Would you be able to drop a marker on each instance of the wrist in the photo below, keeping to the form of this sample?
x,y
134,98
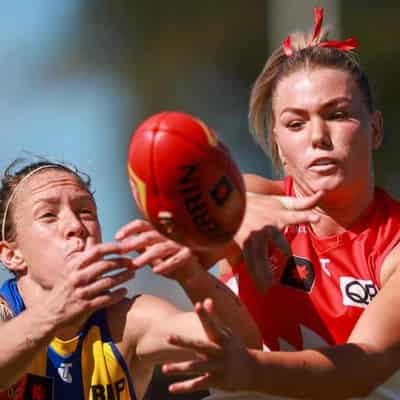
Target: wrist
x,y
44,324
189,275
254,369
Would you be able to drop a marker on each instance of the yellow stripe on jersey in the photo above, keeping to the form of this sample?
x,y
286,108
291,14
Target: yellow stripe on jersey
x,y
39,364
64,347
102,375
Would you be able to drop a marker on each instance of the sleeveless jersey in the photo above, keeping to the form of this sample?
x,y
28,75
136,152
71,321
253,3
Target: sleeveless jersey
x,y
327,283
87,367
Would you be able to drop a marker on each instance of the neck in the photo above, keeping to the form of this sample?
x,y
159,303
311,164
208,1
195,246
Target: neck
x,y
68,332
34,295
339,211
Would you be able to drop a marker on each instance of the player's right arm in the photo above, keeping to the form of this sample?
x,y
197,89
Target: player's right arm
x,y
22,338
352,369
268,212
67,304
179,263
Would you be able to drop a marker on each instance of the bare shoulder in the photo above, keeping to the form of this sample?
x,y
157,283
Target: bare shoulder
x,y
131,318
147,308
259,184
385,335
390,265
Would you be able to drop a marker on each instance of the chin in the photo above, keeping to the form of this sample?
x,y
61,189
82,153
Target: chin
x,y
327,184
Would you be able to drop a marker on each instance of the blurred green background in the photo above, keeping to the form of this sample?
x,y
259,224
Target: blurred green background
x,y
77,77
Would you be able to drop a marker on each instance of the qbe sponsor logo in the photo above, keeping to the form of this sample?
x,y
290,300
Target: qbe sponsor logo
x,y
357,292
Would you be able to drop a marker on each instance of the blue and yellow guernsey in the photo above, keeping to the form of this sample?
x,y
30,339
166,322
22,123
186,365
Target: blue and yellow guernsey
x,y
87,367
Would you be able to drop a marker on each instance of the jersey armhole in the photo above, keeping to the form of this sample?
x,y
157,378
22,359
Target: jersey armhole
x,y
382,258
6,312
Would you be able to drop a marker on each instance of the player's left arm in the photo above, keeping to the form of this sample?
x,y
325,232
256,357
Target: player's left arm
x,y
151,321
353,369
371,354
378,329
180,264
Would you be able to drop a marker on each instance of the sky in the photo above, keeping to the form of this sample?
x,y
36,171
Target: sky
x,y
73,116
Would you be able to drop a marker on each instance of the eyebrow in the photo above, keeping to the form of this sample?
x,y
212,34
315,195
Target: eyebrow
x,y
329,103
55,200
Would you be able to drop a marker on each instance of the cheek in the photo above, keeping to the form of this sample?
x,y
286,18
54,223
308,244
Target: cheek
x,y
94,229
357,144
291,151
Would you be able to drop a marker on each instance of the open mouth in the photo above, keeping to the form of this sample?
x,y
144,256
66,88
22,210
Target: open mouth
x,y
323,164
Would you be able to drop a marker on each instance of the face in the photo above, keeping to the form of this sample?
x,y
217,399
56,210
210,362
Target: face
x,y
55,218
324,131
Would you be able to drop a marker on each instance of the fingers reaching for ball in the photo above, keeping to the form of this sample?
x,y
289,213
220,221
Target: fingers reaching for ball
x,y
165,256
222,361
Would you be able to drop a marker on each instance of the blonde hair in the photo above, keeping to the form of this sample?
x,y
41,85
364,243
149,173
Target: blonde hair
x,y
279,65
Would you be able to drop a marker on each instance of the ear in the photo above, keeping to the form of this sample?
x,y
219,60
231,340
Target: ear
x,y
278,149
11,257
377,126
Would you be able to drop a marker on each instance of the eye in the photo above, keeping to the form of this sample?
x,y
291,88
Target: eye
x,y
47,215
295,124
88,213
338,115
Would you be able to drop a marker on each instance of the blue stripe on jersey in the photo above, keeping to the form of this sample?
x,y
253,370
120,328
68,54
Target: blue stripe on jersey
x,y
67,373
125,368
101,321
67,369
9,291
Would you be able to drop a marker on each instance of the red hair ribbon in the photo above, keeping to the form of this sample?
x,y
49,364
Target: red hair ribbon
x,y
342,45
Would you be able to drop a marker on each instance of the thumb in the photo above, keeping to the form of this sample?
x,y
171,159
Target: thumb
x,y
301,203
90,242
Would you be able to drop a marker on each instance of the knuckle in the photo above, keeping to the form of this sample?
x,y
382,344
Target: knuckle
x,y
81,294
85,305
108,282
149,237
157,247
96,251
187,253
75,279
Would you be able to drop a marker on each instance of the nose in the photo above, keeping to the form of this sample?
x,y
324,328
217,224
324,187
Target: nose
x,y
320,134
73,226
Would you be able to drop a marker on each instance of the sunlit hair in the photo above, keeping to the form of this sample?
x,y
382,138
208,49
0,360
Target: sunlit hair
x,y
279,66
14,174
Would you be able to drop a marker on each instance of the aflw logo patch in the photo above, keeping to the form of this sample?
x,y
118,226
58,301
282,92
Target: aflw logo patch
x,y
357,292
64,371
299,274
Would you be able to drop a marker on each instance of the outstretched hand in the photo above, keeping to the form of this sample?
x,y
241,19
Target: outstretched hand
x,y
90,282
223,361
166,257
261,231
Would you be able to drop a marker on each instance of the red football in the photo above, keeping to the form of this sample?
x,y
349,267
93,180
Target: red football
x,y
184,180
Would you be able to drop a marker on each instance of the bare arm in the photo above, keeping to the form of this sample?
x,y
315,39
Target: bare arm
x,y
265,219
83,291
22,337
179,263
353,369
201,284
369,358
151,320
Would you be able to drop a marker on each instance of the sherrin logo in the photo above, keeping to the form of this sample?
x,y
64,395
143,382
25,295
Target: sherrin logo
x,y
357,292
